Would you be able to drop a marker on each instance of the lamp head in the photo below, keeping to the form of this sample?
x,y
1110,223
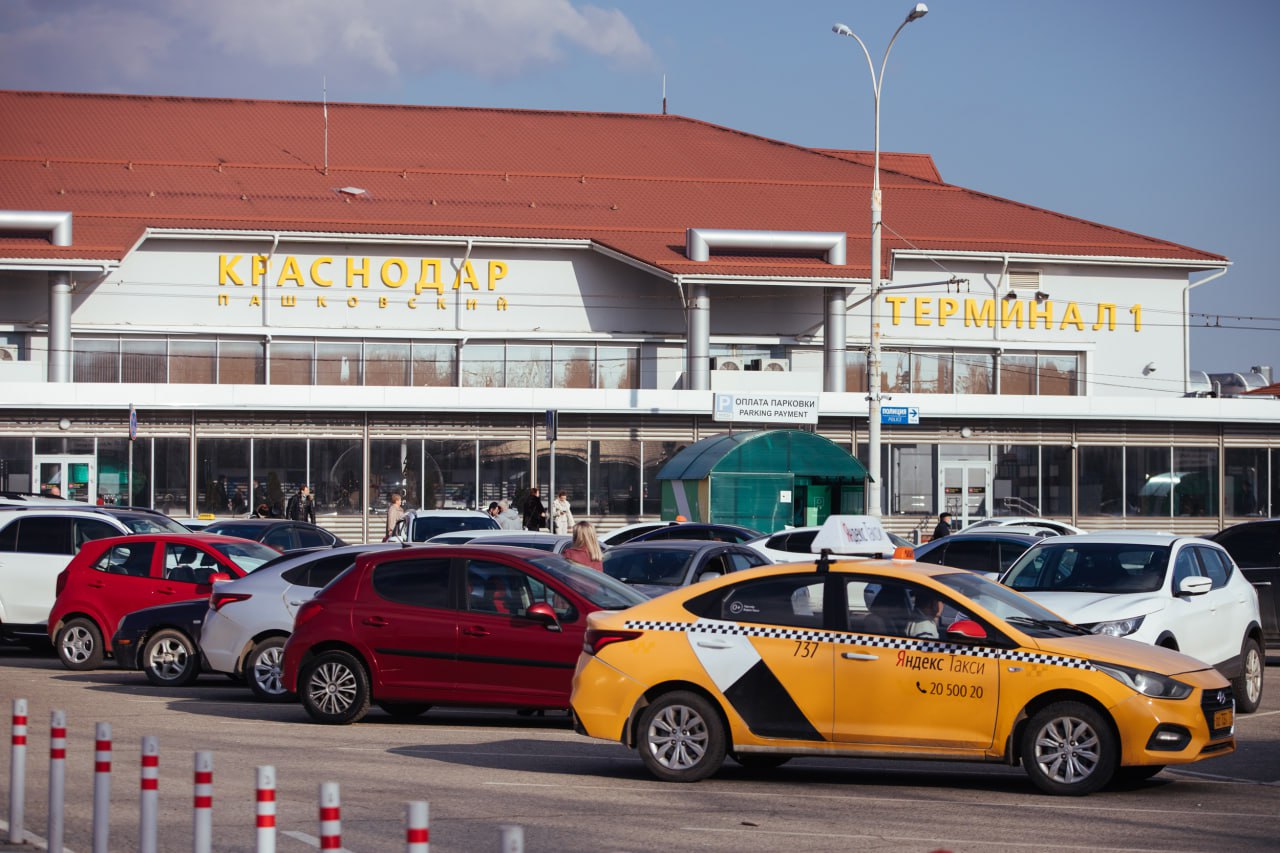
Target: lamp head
x,y
918,12
842,30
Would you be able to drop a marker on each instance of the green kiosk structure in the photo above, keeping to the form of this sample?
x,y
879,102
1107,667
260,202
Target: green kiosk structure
x,y
765,479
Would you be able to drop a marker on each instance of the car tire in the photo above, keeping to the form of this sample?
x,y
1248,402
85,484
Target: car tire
x,y
405,710
264,670
334,688
759,762
170,659
1069,749
681,737
1248,686
79,645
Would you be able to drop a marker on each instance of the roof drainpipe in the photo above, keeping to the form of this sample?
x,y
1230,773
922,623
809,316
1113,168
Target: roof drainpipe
x,y
57,223
1186,327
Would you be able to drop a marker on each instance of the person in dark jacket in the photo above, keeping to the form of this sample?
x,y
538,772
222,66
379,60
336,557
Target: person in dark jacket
x,y
535,514
301,507
944,526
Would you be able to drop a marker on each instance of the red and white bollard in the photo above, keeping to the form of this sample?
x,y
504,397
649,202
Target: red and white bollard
x,y
101,787
18,772
330,817
57,776
149,794
266,810
203,840
416,835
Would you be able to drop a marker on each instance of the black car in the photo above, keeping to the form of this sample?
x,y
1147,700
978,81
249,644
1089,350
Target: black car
x,y
703,532
162,641
279,533
657,567
1255,546
989,553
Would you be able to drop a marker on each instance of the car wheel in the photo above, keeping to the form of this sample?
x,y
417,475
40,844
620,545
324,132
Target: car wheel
x,y
759,762
170,659
334,688
1068,748
405,710
79,644
682,738
1248,687
264,670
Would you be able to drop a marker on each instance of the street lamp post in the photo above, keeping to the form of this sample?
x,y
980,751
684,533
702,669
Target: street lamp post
x,y
873,350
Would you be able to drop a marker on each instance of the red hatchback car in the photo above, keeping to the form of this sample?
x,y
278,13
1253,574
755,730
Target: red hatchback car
x,y
439,625
112,577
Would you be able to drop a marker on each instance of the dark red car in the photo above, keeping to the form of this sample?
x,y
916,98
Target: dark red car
x,y
112,577
439,625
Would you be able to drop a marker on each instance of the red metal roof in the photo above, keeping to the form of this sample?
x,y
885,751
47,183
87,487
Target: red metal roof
x,y
633,183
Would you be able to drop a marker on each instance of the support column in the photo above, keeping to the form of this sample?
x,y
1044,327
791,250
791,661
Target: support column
x,y
698,342
834,351
59,327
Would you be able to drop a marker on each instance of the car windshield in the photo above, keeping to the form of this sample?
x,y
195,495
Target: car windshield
x,y
1018,610
153,524
648,565
598,588
424,527
1110,567
230,528
246,555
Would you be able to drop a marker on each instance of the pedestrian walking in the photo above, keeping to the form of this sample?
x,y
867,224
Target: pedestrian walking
x,y
508,518
535,514
395,512
301,507
561,514
944,526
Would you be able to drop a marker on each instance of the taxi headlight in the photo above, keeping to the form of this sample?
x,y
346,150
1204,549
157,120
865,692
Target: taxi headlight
x,y
1146,683
1118,628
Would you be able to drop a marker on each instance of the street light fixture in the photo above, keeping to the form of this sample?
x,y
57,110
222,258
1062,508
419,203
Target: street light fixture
x,y
873,350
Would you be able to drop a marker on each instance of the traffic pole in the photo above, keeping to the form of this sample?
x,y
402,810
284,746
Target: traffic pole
x,y
18,772
415,827
101,787
149,794
266,809
57,777
203,837
330,817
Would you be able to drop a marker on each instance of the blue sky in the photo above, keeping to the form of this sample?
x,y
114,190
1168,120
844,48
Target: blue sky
x,y
1155,117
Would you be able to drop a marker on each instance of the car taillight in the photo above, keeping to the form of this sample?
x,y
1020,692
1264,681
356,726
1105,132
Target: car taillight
x,y
596,639
218,599
306,612
61,583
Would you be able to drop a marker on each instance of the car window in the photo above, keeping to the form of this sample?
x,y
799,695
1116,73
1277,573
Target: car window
x,y
794,600
596,587
279,537
44,535
1215,568
974,555
1009,554
152,524
87,529
933,555
1253,546
506,591
1185,566
9,536
418,582
426,526
739,560
647,565
318,573
1090,567
188,564
899,609
247,556
127,558
310,537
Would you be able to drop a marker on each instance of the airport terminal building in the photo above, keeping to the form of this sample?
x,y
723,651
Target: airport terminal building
x,y
208,302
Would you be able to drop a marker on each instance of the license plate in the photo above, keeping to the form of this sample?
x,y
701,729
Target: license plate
x,y
1222,719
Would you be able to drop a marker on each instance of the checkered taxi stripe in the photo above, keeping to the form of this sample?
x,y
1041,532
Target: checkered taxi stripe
x,y
871,640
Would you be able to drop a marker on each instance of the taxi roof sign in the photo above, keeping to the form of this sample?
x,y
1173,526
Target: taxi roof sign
x,y
855,535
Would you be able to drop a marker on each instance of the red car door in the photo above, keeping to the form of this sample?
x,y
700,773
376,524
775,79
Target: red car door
x,y
116,583
185,570
505,657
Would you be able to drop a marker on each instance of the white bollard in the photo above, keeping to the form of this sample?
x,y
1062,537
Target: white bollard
x,y
512,838
101,787
57,776
330,817
266,810
18,772
149,794
203,836
416,833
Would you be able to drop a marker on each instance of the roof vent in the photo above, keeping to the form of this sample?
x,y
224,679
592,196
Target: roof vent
x,y
352,191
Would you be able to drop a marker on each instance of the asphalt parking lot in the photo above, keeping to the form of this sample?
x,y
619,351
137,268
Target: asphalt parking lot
x,y
480,770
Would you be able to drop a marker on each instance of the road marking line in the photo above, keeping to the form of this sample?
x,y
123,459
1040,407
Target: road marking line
x,y
29,837
934,841
1217,778
308,839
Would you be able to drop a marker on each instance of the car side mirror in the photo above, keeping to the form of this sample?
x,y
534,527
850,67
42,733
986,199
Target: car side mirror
x,y
966,629
709,575
541,612
1196,585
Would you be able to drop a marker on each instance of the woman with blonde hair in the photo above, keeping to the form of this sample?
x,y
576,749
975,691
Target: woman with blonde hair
x,y
585,547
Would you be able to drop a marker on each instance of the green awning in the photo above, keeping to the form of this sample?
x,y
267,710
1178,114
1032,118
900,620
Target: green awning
x,y
793,451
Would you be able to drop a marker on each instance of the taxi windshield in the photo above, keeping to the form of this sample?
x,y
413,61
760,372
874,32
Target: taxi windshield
x,y
1018,610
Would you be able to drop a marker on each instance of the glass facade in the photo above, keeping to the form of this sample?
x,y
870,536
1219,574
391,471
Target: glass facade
x,y
1246,482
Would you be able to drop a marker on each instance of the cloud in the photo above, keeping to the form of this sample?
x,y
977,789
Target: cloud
x,y
128,44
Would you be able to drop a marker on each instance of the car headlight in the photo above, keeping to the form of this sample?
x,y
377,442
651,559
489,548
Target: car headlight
x,y
1147,683
1118,628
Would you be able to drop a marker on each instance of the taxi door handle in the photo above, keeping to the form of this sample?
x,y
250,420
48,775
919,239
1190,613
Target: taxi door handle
x,y
713,644
858,656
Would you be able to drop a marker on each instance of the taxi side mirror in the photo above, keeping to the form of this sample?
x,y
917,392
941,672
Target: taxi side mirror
x,y
541,612
966,629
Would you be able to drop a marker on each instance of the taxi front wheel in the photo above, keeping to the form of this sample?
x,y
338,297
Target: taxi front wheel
x,y
682,738
1068,748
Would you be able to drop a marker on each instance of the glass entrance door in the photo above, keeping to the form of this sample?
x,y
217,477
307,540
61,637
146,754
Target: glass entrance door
x,y
72,477
965,492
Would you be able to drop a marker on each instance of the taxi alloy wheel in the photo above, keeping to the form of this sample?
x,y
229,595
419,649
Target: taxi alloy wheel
x,y
79,645
1068,748
264,670
1248,687
170,659
682,738
334,688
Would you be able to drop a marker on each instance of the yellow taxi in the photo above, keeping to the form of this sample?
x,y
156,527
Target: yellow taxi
x,y
888,658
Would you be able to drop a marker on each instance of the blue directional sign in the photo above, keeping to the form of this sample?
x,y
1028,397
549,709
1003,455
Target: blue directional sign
x,y
900,415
